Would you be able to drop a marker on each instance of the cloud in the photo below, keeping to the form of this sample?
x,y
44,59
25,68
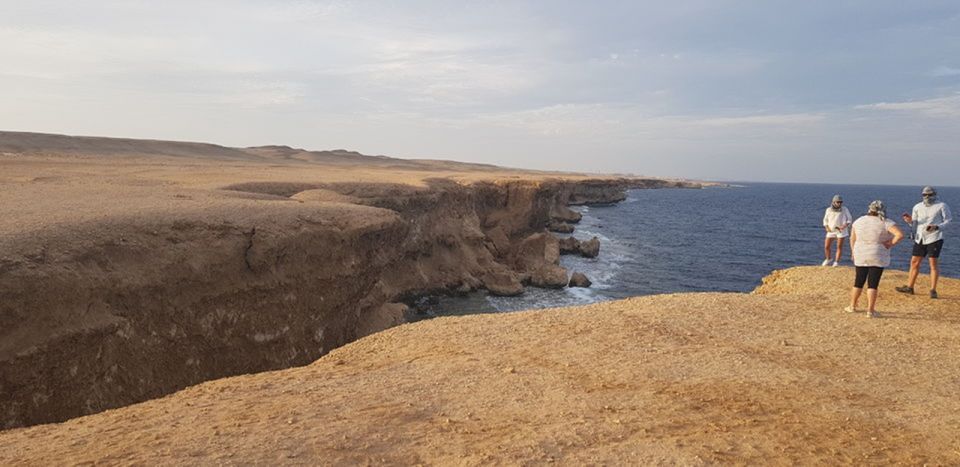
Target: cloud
x,y
948,106
762,120
472,80
256,94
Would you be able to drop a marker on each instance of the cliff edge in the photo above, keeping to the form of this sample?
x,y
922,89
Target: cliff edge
x,y
779,376
130,269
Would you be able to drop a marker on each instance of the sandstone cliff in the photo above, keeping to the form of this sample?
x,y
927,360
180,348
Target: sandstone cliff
x,y
126,277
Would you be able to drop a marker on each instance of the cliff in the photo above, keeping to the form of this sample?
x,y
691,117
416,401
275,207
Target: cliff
x,y
130,275
781,376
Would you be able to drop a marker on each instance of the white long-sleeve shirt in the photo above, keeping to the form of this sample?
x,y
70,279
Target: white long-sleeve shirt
x,y
833,220
937,214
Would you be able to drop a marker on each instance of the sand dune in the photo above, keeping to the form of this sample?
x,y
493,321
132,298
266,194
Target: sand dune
x,y
780,376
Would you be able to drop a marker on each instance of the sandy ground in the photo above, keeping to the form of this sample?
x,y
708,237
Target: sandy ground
x,y
54,180
53,191
780,376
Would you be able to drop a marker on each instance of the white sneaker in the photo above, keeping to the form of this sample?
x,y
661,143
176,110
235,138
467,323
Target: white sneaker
x,y
825,262
835,264
850,309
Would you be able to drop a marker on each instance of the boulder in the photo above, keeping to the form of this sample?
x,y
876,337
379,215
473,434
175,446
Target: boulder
x,y
590,248
578,279
535,251
560,227
565,214
503,283
549,276
569,245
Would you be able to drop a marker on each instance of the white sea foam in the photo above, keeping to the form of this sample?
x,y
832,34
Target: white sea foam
x,y
587,234
583,295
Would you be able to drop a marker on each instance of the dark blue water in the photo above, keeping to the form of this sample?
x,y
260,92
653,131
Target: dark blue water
x,y
715,239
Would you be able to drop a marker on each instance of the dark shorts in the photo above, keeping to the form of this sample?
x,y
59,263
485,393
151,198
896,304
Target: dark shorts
x,y
869,275
932,250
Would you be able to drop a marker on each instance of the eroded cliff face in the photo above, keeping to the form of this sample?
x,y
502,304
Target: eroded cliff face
x,y
125,310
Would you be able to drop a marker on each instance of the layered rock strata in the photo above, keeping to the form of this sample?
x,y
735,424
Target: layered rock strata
x,y
128,308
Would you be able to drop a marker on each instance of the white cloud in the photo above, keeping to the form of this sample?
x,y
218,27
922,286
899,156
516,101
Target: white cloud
x,y
631,122
255,94
762,120
948,106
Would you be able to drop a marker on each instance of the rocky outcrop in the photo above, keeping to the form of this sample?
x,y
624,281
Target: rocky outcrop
x,y
126,309
538,257
579,279
572,246
569,245
503,283
560,227
562,213
590,248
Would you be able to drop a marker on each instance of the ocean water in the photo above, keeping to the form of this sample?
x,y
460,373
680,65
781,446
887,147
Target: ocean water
x,y
714,239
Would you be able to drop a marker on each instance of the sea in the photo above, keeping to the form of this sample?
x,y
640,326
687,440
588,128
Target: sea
x,y
723,239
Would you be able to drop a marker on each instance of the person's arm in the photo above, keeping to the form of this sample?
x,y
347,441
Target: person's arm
x,y
826,219
853,241
908,218
847,218
945,212
897,236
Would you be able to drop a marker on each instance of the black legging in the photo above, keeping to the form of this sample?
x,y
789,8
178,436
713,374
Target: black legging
x,y
870,275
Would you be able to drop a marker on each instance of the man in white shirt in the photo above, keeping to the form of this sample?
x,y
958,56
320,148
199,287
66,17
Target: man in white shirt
x,y
928,219
836,221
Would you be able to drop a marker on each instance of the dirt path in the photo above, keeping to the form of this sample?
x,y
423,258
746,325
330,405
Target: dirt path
x,y
780,376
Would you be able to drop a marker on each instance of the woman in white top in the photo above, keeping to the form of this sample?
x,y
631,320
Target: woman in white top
x,y
873,237
836,221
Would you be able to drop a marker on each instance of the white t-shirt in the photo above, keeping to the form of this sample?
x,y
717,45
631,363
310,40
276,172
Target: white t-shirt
x,y
871,232
937,214
834,219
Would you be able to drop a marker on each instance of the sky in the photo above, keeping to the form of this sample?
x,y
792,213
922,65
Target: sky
x,y
806,91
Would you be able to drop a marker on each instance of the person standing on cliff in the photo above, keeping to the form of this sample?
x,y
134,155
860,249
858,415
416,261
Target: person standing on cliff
x,y
928,219
873,237
836,221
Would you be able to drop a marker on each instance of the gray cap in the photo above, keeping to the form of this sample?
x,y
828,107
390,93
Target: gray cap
x,y
928,190
878,207
837,198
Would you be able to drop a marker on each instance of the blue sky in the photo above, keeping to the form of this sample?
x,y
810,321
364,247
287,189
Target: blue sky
x,y
816,91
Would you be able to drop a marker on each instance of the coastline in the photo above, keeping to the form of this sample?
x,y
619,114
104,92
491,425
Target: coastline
x,y
126,278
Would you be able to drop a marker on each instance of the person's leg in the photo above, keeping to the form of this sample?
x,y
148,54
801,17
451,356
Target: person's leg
x,y
873,283
871,301
858,282
919,251
934,272
854,298
839,249
914,270
827,241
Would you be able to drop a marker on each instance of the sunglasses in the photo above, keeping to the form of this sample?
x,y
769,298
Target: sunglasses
x,y
928,195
